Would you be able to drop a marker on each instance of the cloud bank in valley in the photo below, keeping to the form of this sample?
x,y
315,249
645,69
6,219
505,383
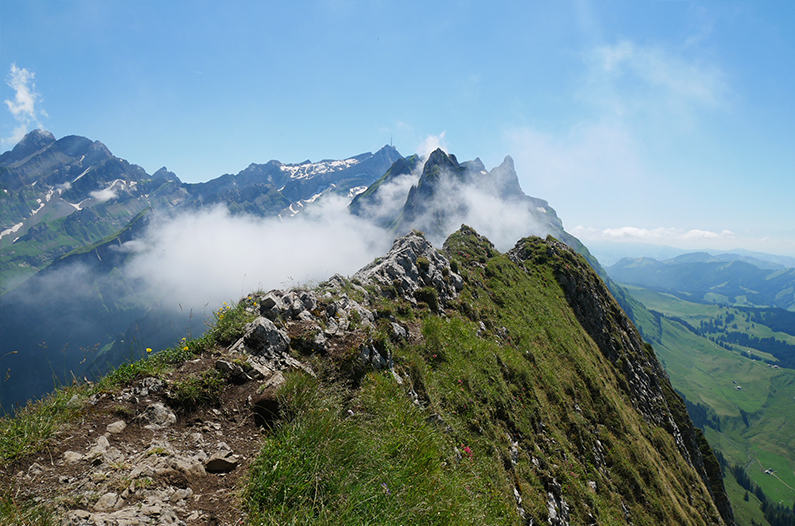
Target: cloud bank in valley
x,y
207,257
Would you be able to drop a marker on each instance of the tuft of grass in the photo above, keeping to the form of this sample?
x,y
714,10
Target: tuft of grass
x,y
423,263
26,432
228,323
428,296
198,391
16,513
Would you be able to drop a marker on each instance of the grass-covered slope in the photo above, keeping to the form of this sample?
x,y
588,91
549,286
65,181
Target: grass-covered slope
x,y
518,417
470,387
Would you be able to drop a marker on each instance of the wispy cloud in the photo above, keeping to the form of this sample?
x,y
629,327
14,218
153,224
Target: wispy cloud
x,y
213,256
651,234
635,101
586,152
23,105
431,143
104,195
642,78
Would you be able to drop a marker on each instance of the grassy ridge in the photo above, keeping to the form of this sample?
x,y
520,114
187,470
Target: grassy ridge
x,y
501,411
515,399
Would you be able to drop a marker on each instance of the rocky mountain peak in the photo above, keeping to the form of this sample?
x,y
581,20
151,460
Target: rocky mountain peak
x,y
165,173
474,167
438,164
503,181
31,143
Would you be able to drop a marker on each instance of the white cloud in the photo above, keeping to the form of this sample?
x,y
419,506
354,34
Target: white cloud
x,y
665,75
431,143
502,222
652,234
211,256
586,152
640,233
686,239
104,195
23,106
390,197
660,92
706,234
631,105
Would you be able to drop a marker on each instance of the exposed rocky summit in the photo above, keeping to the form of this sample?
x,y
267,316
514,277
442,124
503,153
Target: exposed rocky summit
x,y
414,270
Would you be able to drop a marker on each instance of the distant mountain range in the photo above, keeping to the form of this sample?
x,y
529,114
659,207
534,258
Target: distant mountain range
x,y
59,195
611,252
731,279
67,205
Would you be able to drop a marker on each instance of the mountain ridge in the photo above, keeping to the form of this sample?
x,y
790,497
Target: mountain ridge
x,y
443,386
701,277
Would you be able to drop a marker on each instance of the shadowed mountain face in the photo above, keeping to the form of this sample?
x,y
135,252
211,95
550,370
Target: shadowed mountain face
x,y
437,196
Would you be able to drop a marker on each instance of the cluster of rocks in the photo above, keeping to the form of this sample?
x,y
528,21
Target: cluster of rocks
x,y
410,266
310,320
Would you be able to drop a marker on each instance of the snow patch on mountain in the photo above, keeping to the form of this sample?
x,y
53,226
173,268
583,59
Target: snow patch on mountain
x,y
81,175
11,230
307,169
356,190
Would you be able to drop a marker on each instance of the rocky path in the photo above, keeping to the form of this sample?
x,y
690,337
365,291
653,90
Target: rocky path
x,y
135,460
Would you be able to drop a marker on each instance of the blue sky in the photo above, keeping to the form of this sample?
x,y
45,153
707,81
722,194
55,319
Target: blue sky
x,y
663,122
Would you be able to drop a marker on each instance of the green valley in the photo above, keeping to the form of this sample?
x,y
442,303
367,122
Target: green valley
x,y
746,396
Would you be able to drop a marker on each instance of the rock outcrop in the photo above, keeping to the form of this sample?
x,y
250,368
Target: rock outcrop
x,y
412,266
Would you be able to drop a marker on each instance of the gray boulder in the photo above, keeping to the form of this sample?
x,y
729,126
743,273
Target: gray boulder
x,y
262,337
